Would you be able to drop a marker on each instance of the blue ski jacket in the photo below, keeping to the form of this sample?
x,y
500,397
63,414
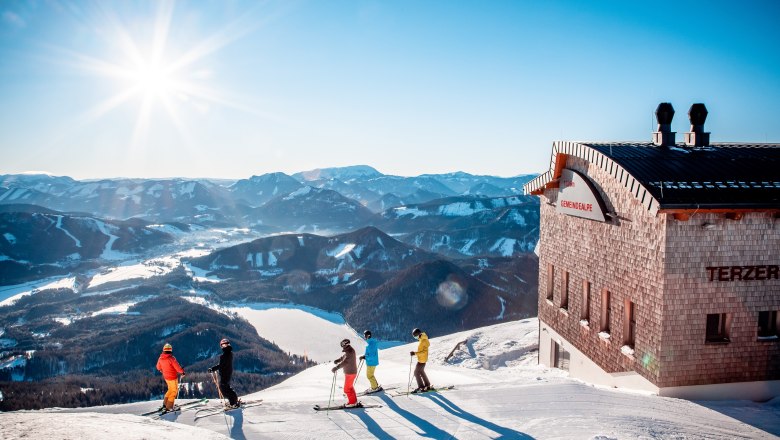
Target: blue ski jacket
x,y
372,353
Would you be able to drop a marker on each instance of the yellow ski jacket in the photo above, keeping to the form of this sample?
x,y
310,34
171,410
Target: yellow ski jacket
x,y
422,348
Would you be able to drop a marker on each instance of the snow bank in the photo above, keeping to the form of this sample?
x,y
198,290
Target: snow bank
x,y
93,426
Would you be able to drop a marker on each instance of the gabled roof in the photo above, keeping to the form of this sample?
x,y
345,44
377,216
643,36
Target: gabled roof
x,y
679,177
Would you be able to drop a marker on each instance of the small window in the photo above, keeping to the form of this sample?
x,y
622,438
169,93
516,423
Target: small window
x,y
629,326
565,295
585,316
606,310
717,327
767,325
550,281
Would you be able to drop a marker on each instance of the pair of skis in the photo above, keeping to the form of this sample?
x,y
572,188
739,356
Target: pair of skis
x,y
380,390
360,405
432,390
394,392
185,406
205,412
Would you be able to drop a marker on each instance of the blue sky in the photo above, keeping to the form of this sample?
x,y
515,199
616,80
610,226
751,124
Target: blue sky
x,y
233,88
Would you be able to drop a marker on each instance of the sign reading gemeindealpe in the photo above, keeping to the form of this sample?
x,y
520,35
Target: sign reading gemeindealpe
x,y
578,197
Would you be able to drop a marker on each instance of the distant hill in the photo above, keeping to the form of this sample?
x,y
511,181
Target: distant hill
x,y
313,209
257,190
467,226
36,241
340,173
367,248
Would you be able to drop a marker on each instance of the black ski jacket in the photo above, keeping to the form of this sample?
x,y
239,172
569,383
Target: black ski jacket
x,y
225,365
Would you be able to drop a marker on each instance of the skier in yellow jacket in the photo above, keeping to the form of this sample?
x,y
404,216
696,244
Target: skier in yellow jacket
x,y
423,384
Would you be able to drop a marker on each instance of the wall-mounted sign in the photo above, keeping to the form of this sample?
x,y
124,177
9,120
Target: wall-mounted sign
x,y
578,197
743,273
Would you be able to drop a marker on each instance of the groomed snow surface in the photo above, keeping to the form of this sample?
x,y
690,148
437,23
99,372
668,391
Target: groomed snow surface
x,y
500,392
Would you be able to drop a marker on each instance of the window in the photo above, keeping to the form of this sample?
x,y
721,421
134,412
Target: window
x,y
585,316
717,327
767,325
550,281
606,310
565,295
629,324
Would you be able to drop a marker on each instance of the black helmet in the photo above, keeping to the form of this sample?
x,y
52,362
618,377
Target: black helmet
x,y
367,334
416,332
344,342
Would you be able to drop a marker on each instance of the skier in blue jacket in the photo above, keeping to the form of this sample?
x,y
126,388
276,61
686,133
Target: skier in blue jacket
x,y
371,357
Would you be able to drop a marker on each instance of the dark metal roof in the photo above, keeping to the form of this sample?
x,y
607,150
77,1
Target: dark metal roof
x,y
728,176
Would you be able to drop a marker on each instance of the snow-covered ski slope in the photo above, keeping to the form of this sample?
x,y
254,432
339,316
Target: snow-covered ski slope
x,y
500,392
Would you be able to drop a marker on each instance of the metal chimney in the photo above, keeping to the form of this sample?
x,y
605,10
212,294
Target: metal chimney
x,y
697,137
664,137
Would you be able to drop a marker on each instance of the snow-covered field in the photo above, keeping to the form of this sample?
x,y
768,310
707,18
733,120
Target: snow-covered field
x,y
11,294
500,392
300,330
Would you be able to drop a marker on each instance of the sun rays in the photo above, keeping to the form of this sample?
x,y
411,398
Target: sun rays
x,y
153,74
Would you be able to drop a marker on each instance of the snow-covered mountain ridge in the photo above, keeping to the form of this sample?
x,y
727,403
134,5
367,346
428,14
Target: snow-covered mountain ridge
x,y
500,392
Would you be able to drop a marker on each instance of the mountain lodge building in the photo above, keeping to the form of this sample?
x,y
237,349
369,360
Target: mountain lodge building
x,y
659,263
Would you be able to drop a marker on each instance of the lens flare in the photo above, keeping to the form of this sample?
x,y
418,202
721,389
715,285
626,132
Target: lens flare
x,y
450,294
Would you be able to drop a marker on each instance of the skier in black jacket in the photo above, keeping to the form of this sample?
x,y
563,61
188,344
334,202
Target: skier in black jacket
x,y
225,368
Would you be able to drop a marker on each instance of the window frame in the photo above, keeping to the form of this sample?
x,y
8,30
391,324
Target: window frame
x,y
585,310
719,334
550,282
606,311
629,324
771,318
565,291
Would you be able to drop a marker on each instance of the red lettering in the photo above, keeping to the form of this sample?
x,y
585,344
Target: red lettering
x,y
577,205
773,272
736,273
749,273
712,270
760,273
723,272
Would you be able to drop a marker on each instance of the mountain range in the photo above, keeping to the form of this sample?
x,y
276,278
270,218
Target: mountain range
x,y
143,261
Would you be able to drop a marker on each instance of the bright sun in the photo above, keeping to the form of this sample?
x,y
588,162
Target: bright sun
x,y
153,79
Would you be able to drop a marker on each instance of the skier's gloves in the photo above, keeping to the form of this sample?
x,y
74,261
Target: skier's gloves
x,y
362,358
210,370
334,369
183,374
411,353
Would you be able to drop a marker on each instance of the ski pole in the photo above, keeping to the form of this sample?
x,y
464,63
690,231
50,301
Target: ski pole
x,y
332,391
219,391
360,366
409,384
178,387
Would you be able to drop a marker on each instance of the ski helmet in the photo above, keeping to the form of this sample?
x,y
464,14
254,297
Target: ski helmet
x,y
344,342
367,334
416,332
225,341
167,347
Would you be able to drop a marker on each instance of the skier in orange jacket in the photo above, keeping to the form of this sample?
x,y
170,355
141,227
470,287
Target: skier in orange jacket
x,y
170,369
